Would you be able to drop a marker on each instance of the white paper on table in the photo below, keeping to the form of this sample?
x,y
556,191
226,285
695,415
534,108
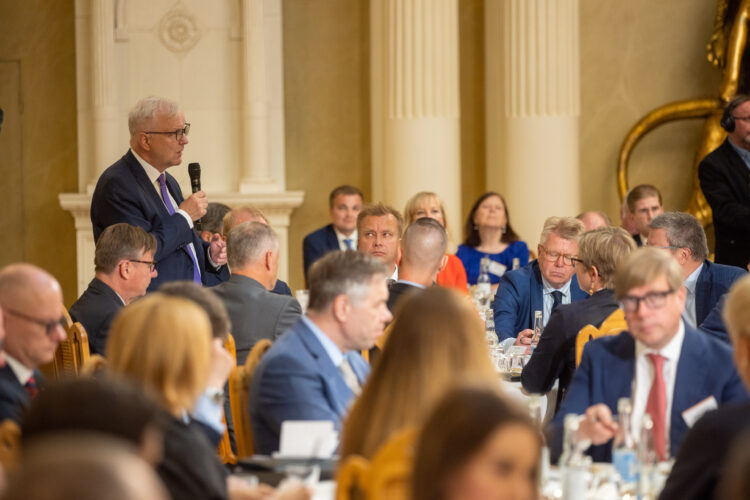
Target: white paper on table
x,y
307,438
517,350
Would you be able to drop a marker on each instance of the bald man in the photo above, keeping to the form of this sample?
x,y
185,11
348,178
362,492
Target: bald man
x,y
423,256
31,301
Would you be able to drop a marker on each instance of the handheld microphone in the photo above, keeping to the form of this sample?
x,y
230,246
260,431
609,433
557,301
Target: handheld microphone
x,y
194,171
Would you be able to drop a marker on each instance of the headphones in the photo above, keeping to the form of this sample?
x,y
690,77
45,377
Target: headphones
x,y
727,119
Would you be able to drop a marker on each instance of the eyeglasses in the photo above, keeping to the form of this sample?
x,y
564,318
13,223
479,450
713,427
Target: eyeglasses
x,y
178,134
150,263
654,300
575,259
553,256
742,118
49,326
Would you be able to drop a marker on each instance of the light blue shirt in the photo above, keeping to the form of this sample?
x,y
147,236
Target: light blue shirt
x,y
689,314
547,290
330,348
407,282
744,153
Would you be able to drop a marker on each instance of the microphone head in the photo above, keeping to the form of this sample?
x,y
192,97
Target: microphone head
x,y
194,170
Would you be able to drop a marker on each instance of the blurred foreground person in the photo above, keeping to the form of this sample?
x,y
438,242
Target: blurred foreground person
x,y
476,446
435,341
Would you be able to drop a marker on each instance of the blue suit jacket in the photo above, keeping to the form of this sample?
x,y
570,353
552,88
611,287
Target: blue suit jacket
x,y
606,374
124,194
13,396
519,294
713,282
296,380
317,244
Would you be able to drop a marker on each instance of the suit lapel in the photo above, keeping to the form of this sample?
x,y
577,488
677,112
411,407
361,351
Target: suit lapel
x,y
703,292
621,371
332,239
147,188
692,372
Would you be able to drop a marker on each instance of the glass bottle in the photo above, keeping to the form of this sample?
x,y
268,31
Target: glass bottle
x,y
535,412
624,453
516,263
483,288
572,462
489,332
538,328
647,458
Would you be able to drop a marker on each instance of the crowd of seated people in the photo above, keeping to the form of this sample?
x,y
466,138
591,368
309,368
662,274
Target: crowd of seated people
x,y
389,345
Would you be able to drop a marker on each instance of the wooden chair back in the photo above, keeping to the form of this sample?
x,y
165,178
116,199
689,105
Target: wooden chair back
x,y
95,364
53,370
73,352
226,455
387,475
239,397
614,324
10,443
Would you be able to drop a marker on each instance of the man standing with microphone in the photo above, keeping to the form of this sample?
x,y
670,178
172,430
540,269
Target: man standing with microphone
x,y
137,189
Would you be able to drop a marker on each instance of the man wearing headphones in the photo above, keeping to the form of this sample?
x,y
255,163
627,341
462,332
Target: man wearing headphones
x,y
724,176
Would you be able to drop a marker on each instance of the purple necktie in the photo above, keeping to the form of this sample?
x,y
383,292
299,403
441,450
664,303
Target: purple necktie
x,y
170,209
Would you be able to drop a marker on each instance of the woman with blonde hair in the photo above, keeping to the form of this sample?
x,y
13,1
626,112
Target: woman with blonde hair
x,y
428,204
435,341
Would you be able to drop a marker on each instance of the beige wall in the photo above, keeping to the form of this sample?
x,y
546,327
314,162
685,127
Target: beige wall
x,y
635,56
38,137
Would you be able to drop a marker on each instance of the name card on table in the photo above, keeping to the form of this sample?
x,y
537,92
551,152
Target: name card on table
x,y
307,438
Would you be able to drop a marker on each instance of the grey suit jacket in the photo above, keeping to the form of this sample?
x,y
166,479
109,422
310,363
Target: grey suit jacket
x,y
255,312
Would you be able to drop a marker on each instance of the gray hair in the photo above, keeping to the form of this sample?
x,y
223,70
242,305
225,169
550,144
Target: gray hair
x,y
568,228
425,242
145,110
342,273
683,231
248,242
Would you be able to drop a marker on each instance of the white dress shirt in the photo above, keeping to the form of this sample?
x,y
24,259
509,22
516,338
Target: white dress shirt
x,y
21,371
689,314
341,237
548,299
644,378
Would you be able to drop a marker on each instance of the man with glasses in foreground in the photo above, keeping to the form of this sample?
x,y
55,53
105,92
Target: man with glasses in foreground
x,y
541,285
667,368
137,189
31,302
124,265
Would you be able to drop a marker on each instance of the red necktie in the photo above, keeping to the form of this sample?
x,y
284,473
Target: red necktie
x,y
656,406
31,388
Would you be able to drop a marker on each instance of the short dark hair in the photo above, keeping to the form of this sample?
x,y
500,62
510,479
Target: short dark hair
x,y
121,241
640,192
341,273
472,233
345,190
380,210
206,300
214,215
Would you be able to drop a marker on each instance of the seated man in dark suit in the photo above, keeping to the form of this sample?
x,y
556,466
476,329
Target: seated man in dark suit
x,y
124,265
138,190
313,371
644,203
542,284
249,213
344,204
31,301
663,365
422,258
683,236
714,322
701,460
255,312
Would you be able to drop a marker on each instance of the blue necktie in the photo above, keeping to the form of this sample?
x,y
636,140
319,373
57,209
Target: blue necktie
x,y
349,243
170,209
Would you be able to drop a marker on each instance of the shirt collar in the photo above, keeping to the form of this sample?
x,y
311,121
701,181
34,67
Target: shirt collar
x,y
407,282
394,276
341,237
671,351
21,371
548,289
330,348
152,173
744,153
692,280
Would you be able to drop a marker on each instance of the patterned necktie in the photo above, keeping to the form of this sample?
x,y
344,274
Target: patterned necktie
x,y
557,297
170,209
656,406
31,388
350,378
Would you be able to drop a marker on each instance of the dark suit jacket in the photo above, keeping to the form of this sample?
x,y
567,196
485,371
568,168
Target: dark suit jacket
x,y
555,355
396,291
281,288
317,244
713,282
296,380
725,181
124,194
13,396
190,468
705,368
519,294
714,322
703,453
95,309
638,240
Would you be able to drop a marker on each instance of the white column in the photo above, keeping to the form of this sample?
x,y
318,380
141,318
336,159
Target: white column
x,y
415,102
533,105
105,140
255,173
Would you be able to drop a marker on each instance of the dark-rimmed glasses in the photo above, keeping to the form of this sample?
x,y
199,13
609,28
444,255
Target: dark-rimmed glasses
x,y
150,263
553,256
178,134
654,300
49,326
